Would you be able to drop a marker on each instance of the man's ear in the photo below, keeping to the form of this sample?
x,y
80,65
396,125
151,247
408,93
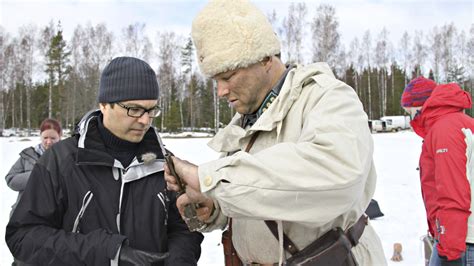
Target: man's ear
x,y
102,107
267,62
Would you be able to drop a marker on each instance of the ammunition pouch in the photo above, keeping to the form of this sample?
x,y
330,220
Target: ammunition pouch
x,y
331,249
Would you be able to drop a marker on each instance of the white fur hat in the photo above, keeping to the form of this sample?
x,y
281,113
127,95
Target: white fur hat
x,y
231,34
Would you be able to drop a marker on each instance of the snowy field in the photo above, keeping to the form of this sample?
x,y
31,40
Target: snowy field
x,y
398,193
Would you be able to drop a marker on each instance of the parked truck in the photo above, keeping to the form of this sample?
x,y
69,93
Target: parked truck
x,y
396,123
377,126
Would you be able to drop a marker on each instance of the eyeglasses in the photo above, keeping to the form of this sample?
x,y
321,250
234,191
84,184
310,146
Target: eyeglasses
x,y
137,112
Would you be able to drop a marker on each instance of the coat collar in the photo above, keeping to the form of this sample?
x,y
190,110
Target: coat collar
x,y
232,136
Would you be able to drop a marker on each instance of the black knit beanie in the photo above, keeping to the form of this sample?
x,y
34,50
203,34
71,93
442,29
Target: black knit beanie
x,y
127,78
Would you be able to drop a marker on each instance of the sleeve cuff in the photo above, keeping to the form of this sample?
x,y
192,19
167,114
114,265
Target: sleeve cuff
x,y
113,250
115,261
214,214
209,174
216,221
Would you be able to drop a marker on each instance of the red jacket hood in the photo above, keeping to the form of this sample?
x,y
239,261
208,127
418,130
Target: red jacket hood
x,y
445,99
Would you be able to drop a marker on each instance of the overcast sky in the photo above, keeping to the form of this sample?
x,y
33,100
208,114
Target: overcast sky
x,y
354,16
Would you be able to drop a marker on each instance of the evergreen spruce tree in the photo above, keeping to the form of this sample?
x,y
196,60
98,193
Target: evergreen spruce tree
x,y
206,104
226,112
364,91
398,76
39,108
457,74
350,76
173,122
376,94
57,68
189,83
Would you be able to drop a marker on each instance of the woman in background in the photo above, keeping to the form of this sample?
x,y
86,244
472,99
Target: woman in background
x,y
17,177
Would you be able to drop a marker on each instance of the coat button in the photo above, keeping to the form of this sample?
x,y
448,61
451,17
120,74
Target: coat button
x,y
208,181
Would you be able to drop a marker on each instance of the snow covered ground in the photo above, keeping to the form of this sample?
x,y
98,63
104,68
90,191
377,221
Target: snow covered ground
x,y
398,193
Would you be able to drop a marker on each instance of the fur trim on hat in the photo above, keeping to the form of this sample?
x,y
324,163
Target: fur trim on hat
x,y
231,34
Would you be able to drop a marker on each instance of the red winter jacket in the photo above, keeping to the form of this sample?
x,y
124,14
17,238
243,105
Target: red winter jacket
x,y
445,187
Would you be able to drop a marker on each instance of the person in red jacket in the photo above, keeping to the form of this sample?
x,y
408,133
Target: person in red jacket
x,y
438,117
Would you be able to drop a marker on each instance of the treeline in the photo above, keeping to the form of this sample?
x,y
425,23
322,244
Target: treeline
x,y
45,75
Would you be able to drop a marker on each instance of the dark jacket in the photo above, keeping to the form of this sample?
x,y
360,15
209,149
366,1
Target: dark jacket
x,y
80,205
19,174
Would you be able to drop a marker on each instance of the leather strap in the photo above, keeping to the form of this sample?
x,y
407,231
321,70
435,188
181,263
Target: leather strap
x,y
229,228
252,141
287,243
355,232
230,254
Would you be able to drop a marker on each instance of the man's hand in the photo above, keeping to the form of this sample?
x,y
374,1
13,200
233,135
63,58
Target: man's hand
x,y
188,173
140,257
203,212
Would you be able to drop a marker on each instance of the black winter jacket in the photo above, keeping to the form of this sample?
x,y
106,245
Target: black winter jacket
x,y
80,205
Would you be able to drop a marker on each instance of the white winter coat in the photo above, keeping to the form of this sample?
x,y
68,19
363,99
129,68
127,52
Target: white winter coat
x,y
310,169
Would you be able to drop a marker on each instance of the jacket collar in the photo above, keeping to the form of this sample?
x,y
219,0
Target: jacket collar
x,y
30,154
229,138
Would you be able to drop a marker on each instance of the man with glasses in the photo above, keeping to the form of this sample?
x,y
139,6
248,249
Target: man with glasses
x,y
99,197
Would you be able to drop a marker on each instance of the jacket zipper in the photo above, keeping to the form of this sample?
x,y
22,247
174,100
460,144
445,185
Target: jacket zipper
x,y
85,202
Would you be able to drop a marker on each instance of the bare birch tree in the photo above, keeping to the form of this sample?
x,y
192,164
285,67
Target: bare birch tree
x,y
470,52
136,43
28,63
382,61
273,19
21,46
75,75
293,32
470,59
367,48
97,50
419,52
3,77
405,53
325,35
461,55
167,73
47,35
356,58
436,52
448,36
10,64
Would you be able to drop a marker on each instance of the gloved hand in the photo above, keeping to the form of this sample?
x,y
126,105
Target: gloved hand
x,y
446,262
140,257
